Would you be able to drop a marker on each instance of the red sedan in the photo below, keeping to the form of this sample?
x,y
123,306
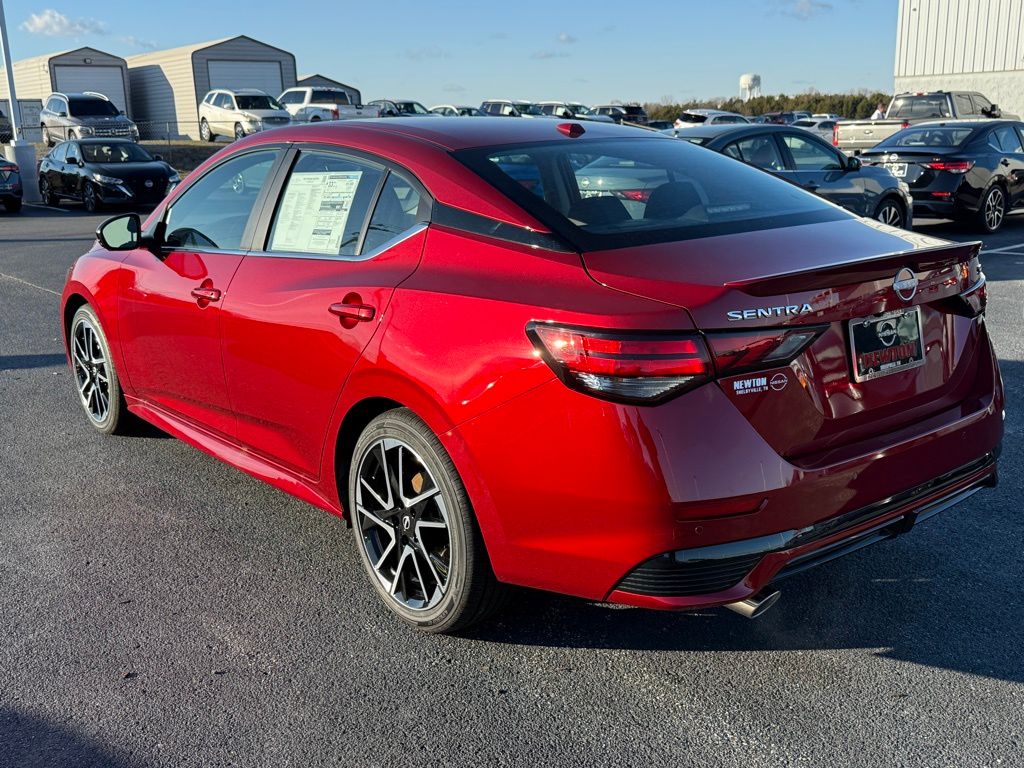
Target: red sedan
x,y
580,358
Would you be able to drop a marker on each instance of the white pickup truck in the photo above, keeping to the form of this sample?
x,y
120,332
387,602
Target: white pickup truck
x,y
312,105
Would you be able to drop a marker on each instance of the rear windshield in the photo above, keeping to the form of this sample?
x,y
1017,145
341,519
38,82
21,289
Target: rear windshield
x,y
919,106
91,108
256,101
805,123
634,110
690,117
928,137
614,193
328,97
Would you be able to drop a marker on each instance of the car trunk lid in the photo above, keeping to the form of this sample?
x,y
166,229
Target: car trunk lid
x,y
831,277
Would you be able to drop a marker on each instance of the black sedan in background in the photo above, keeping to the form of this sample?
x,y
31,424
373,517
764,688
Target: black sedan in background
x,y
10,186
104,172
812,163
967,170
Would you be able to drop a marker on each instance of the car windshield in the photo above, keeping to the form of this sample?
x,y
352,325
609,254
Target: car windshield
x,y
528,109
411,108
579,109
614,193
256,101
114,152
928,137
919,106
91,108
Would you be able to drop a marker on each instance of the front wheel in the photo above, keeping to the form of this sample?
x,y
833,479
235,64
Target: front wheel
x,y
99,389
890,212
239,131
415,529
46,192
90,199
993,210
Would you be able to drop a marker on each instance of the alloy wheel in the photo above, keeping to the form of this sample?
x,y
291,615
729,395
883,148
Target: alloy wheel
x,y
890,214
91,372
89,198
239,132
204,131
403,524
995,209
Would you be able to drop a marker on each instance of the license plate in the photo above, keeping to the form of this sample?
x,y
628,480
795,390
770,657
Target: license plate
x,y
897,169
886,344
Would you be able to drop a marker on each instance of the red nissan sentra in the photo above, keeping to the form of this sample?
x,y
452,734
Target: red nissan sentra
x,y
574,357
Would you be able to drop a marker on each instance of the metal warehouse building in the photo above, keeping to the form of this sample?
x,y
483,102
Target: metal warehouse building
x,y
319,81
963,45
167,86
83,69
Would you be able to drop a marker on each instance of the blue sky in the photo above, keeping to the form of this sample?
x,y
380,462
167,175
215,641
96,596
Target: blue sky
x,y
447,52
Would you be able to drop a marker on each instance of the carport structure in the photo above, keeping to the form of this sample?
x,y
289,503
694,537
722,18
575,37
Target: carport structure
x,y
167,86
320,81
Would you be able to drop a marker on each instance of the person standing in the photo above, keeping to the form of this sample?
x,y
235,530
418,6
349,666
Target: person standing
x,y
879,113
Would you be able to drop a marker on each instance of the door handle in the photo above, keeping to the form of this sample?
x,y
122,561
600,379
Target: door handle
x,y
360,313
206,294
812,187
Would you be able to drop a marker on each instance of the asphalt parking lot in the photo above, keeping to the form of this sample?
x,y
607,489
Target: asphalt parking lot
x,y
158,608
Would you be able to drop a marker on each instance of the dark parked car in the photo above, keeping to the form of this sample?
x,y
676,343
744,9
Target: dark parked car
x,y
10,186
81,116
104,172
804,159
781,118
400,108
967,170
623,113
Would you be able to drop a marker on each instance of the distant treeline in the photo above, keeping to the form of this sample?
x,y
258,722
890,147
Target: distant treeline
x,y
851,105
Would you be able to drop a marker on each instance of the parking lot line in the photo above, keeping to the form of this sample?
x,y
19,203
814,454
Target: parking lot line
x,y
1005,248
4,276
48,207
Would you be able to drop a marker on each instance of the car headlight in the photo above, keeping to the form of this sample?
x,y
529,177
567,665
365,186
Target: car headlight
x,y
85,130
106,179
134,130
250,118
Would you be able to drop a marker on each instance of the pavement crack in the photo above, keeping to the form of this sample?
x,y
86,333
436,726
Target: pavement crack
x,y
4,276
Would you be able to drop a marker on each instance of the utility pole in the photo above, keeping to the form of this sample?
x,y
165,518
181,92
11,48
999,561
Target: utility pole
x,y
20,151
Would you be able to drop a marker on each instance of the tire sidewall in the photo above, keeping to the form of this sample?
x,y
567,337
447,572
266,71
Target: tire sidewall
x,y
403,425
983,220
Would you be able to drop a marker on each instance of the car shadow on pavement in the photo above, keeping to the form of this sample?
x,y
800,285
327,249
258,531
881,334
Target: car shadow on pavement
x,y
944,595
16,362
29,742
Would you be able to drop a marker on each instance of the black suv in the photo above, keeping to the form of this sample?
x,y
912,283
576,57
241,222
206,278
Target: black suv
x,y
623,113
83,116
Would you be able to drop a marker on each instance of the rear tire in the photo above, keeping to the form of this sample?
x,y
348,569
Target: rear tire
x,y
99,389
46,192
891,212
47,138
415,529
992,213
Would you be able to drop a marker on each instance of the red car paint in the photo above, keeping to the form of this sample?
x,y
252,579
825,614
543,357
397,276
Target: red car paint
x,y
571,492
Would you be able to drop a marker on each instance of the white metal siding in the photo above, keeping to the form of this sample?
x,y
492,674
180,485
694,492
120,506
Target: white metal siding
x,y
265,75
959,36
106,80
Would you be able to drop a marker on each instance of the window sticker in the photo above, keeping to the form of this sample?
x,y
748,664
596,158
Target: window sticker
x,y
314,212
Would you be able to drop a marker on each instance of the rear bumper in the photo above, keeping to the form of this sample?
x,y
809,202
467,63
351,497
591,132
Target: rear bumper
x,y
737,570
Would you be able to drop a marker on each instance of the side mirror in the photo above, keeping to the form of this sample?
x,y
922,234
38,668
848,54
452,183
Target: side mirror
x,y
853,164
120,233
995,111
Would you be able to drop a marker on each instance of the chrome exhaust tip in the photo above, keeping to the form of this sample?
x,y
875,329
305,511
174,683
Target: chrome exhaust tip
x,y
756,605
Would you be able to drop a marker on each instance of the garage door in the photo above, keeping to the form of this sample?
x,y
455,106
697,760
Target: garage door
x,y
265,75
106,80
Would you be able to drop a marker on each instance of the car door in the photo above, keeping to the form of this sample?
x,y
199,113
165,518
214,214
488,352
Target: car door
x,y
170,301
818,168
71,171
1012,163
53,168
304,306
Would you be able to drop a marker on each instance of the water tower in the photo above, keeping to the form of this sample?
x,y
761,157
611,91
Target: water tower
x,y
750,86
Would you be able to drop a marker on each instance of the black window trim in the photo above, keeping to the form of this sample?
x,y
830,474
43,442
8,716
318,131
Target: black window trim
x,y
275,189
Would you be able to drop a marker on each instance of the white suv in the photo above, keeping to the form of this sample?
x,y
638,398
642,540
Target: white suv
x,y
239,113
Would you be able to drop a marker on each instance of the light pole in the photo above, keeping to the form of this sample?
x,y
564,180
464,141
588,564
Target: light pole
x,y
20,151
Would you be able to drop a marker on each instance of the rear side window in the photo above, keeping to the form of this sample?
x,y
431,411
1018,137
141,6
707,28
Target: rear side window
x,y
964,106
810,156
944,136
759,151
614,193
329,97
397,211
324,204
1008,139
214,211
60,152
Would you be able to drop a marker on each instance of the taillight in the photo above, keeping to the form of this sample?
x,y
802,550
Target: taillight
x,y
953,166
335,114
742,351
623,366
904,125
648,368
835,135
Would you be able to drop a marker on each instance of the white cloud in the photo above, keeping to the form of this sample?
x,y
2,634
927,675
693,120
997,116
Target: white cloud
x,y
136,42
805,9
566,38
51,23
